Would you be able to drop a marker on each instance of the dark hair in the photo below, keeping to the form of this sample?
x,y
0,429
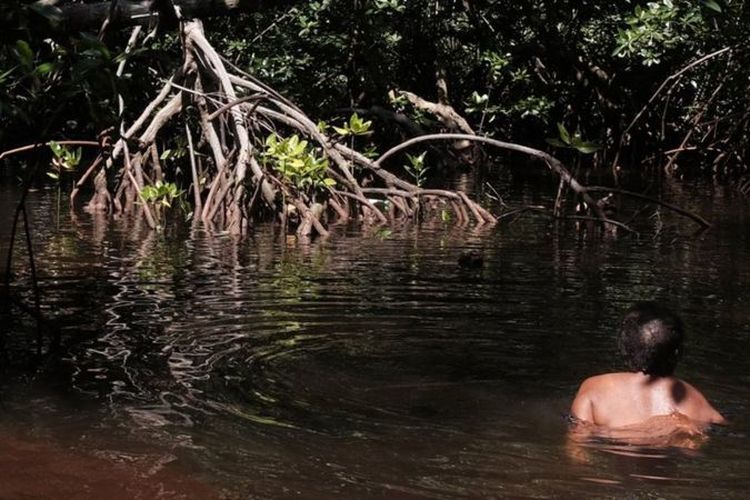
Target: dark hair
x,y
651,339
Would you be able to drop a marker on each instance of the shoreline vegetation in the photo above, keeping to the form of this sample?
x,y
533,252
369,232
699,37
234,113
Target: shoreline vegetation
x,y
186,116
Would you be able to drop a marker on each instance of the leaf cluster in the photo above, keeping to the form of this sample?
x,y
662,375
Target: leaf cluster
x,y
297,162
64,159
416,168
572,141
161,193
355,127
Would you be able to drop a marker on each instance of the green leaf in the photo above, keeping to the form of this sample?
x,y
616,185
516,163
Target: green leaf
x,y
384,233
588,147
300,148
619,50
341,131
53,175
564,134
711,4
5,75
417,162
57,149
24,53
329,182
44,68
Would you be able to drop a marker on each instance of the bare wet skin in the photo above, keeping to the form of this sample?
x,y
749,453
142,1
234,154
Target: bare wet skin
x,y
660,432
370,365
625,399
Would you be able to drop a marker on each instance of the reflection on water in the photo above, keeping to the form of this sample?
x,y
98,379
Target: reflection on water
x,y
653,438
371,364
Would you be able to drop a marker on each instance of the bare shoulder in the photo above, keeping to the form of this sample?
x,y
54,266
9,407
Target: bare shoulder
x,y
603,381
693,403
588,393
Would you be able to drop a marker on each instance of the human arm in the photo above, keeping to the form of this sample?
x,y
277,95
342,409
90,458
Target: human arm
x,y
691,402
583,408
713,416
703,410
581,428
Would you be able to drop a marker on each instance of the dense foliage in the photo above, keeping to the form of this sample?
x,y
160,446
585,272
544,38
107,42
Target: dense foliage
x,y
515,69
520,71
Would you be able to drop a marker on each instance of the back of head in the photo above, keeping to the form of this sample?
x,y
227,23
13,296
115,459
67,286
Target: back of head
x,y
651,339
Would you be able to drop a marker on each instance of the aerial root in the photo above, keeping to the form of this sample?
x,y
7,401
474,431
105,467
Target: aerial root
x,y
226,116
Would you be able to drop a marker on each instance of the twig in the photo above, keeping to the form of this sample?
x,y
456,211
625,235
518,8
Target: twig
x,y
107,20
697,218
497,196
661,87
138,189
83,178
695,121
669,79
553,163
290,12
196,188
517,211
605,220
253,97
31,147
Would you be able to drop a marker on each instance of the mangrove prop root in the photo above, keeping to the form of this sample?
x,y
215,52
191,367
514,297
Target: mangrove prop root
x,y
226,115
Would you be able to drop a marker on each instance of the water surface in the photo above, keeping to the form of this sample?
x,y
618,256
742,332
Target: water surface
x,y
369,365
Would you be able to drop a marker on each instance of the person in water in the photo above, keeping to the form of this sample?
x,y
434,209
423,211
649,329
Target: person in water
x,y
650,340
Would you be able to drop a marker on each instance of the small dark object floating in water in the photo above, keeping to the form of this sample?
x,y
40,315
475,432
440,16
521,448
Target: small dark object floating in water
x,y
471,259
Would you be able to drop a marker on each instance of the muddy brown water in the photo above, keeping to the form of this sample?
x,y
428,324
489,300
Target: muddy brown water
x,y
369,365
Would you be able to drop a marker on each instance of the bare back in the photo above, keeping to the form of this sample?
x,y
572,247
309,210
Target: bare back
x,y
622,399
